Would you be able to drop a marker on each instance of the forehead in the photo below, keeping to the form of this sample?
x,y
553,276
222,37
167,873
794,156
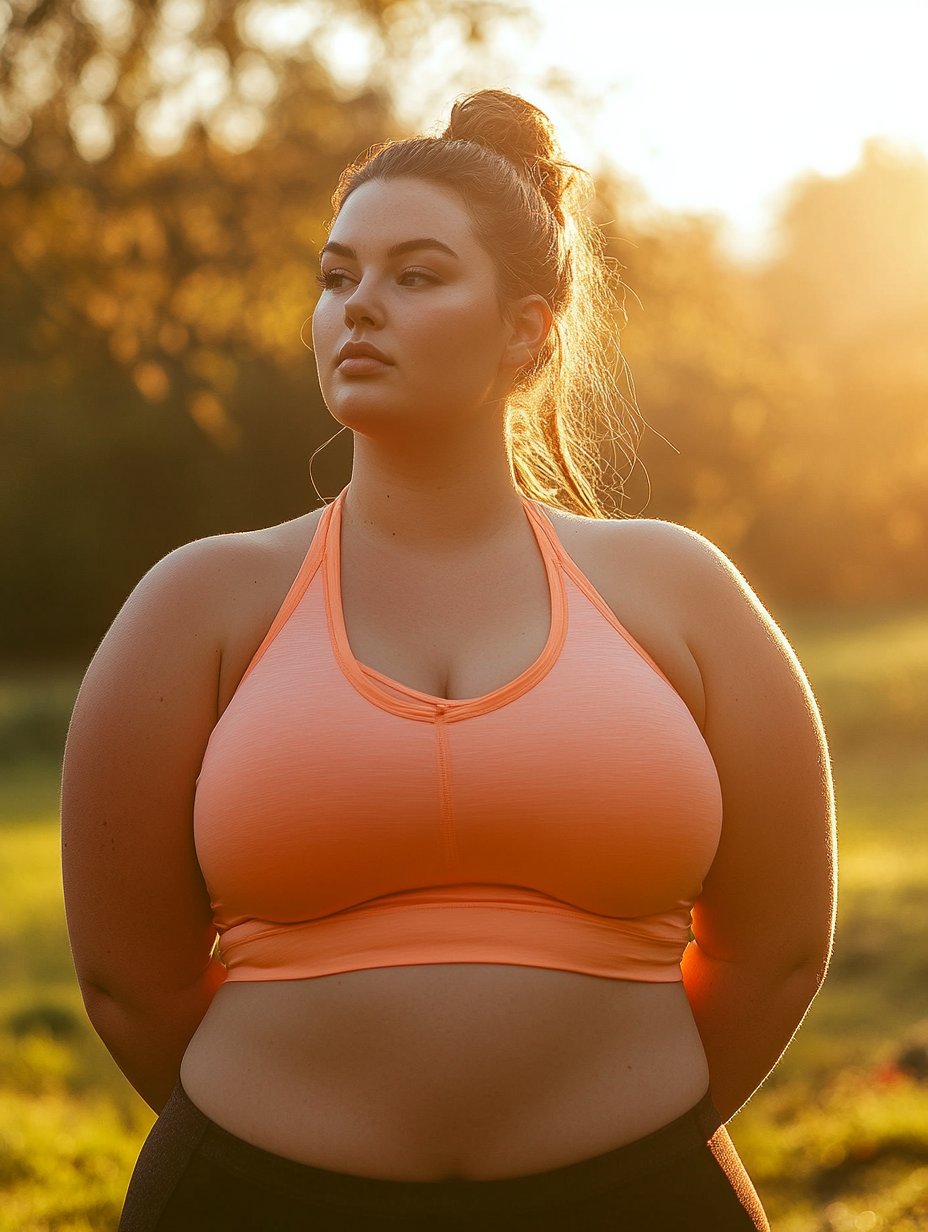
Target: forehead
x,y
380,214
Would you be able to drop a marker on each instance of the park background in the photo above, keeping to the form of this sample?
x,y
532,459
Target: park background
x,y
165,170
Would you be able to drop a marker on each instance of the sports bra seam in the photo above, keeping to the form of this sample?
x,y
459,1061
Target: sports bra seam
x,y
446,796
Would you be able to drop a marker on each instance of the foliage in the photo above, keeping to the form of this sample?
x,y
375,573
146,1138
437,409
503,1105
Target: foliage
x,y
166,172
853,1117
870,673
64,1163
34,713
796,392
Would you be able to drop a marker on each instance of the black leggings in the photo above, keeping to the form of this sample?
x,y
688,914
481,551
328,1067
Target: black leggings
x,y
193,1176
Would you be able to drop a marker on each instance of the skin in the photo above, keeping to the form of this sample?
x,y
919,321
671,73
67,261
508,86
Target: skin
x,y
460,1070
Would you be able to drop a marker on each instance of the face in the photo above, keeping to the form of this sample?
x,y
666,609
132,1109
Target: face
x,y
409,330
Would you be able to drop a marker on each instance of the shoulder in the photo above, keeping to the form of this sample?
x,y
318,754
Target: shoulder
x,y
683,600
210,571
206,606
745,660
217,588
669,564
697,584
675,556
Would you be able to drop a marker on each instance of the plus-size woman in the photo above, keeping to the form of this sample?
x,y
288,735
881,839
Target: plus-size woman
x,y
452,766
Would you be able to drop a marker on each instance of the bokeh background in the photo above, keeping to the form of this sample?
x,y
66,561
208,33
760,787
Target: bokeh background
x,y
165,170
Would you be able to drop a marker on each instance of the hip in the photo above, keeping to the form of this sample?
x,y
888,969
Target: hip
x,y
193,1176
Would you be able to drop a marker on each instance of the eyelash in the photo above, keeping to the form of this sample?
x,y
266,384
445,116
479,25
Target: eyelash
x,y
420,273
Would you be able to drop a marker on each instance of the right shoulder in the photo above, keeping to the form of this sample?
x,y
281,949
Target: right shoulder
x,y
208,576
212,583
206,606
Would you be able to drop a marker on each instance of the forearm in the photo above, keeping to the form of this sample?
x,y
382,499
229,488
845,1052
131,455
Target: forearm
x,y
147,1040
746,1014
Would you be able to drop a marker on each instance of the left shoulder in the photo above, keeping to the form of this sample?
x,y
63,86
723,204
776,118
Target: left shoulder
x,y
670,569
674,556
684,600
723,614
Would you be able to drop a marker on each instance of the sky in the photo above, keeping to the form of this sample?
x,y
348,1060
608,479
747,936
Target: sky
x,y
715,105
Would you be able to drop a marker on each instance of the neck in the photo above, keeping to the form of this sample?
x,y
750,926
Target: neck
x,y
437,493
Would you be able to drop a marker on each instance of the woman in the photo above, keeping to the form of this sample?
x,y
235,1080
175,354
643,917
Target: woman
x,y
445,766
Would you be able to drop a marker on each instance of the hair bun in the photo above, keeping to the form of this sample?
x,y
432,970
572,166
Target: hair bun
x,y
520,132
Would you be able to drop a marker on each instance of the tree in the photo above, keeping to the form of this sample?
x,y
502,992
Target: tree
x,y
796,394
166,171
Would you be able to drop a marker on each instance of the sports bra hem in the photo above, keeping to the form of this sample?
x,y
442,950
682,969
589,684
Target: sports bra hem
x,y
412,934
670,973
620,923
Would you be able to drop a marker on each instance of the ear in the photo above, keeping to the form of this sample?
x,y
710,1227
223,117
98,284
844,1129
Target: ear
x,y
530,322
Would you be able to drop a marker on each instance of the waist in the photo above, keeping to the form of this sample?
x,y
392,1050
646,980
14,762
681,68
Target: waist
x,y
505,925
425,1072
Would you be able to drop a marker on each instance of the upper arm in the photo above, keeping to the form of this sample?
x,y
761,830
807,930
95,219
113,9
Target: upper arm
x,y
138,911
769,896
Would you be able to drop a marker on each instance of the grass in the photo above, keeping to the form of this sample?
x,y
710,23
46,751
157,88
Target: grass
x,y
836,1140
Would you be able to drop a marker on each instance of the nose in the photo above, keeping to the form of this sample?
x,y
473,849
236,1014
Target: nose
x,y
362,306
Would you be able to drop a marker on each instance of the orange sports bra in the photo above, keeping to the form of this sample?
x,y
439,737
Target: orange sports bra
x,y
344,821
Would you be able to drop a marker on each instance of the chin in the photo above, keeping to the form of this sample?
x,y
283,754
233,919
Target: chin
x,y
364,410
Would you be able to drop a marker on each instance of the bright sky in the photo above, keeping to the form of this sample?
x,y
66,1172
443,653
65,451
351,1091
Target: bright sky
x,y
716,104
711,104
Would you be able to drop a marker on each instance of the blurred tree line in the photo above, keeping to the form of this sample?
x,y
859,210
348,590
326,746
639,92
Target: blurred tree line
x,y
796,391
165,170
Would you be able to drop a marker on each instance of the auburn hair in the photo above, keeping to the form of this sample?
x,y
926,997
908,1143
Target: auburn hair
x,y
571,431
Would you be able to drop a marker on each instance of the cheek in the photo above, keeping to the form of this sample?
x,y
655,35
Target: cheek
x,y
459,333
325,326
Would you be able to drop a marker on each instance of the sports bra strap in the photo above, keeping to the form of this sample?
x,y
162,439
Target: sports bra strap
x,y
311,562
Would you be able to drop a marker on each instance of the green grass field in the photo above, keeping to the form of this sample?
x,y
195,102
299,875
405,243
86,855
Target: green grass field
x,y
837,1140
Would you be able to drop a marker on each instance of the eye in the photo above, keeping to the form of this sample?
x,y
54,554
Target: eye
x,y
417,278
332,280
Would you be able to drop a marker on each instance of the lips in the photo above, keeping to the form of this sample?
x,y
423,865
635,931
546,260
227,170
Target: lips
x,y
361,359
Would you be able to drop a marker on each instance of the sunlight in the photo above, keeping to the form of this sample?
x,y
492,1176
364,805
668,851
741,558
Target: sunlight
x,y
279,28
715,106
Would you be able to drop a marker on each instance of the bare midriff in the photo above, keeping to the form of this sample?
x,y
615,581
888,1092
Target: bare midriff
x,y
464,1070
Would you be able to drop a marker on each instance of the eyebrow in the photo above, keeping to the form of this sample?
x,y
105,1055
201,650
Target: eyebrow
x,y
426,242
